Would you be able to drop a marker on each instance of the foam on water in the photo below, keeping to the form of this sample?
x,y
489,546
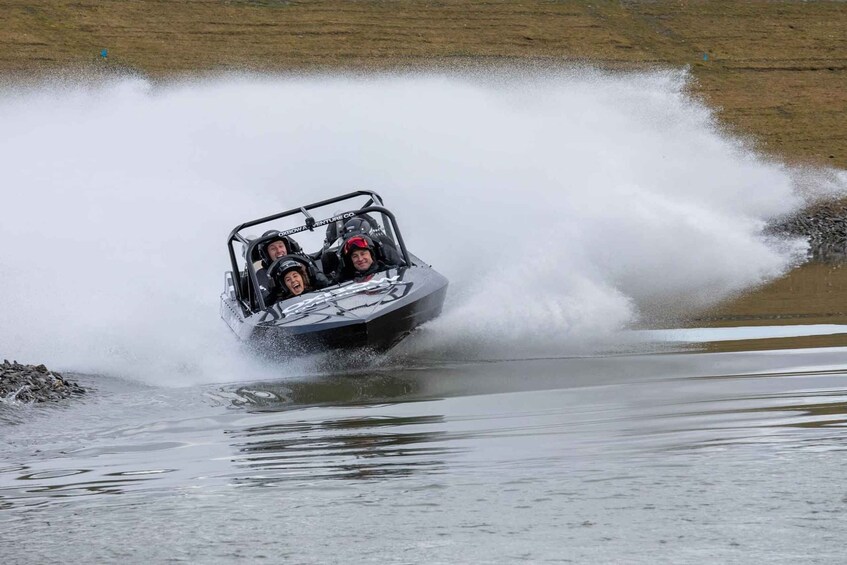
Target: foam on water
x,y
562,205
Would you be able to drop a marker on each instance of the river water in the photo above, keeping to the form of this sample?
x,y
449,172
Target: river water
x,y
627,370
674,457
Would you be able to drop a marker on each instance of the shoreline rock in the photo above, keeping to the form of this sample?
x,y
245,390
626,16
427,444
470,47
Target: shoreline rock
x,y
34,383
825,226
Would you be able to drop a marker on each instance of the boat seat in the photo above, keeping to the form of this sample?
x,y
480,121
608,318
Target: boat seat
x,y
329,261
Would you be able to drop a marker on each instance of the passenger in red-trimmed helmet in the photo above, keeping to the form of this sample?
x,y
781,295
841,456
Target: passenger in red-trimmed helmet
x,y
361,254
361,258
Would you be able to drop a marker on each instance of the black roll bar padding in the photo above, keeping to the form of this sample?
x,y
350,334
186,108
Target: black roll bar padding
x,y
292,257
234,263
390,231
399,236
376,198
260,300
234,235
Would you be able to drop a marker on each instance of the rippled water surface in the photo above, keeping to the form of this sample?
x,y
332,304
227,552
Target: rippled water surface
x,y
679,457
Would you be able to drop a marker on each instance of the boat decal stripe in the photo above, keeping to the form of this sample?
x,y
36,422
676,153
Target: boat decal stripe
x,y
343,292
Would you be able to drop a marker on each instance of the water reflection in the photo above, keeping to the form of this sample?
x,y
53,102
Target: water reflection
x,y
346,448
548,429
32,487
787,411
401,423
357,447
337,390
792,418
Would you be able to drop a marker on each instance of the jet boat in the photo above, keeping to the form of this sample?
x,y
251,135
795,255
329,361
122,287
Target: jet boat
x,y
375,313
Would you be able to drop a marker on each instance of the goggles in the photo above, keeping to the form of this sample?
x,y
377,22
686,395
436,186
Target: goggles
x,y
356,242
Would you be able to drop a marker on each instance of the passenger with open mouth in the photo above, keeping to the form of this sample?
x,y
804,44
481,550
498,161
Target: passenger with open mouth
x,y
293,276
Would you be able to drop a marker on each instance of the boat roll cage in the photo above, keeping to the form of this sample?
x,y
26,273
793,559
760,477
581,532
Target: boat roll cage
x,y
374,204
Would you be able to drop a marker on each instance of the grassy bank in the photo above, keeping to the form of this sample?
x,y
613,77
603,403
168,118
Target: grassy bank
x,y
776,71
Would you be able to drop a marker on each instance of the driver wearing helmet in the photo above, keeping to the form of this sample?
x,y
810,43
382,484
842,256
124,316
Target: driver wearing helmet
x,y
269,251
360,259
382,247
275,247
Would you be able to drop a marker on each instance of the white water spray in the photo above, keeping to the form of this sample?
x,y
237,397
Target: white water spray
x,y
560,206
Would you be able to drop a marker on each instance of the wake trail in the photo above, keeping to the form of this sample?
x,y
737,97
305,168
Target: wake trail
x,y
562,206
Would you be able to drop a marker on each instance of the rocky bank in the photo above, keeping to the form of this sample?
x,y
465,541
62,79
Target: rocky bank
x,y
824,225
34,383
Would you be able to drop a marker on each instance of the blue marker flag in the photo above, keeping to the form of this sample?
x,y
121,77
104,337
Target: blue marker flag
x,y
104,53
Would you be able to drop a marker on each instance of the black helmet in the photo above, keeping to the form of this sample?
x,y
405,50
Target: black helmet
x,y
286,264
291,246
363,223
356,226
353,243
357,242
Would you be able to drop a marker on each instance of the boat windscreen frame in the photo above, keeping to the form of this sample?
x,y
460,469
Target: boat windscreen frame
x,y
374,204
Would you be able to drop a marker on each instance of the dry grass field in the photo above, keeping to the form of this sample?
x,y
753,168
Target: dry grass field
x,y
776,71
